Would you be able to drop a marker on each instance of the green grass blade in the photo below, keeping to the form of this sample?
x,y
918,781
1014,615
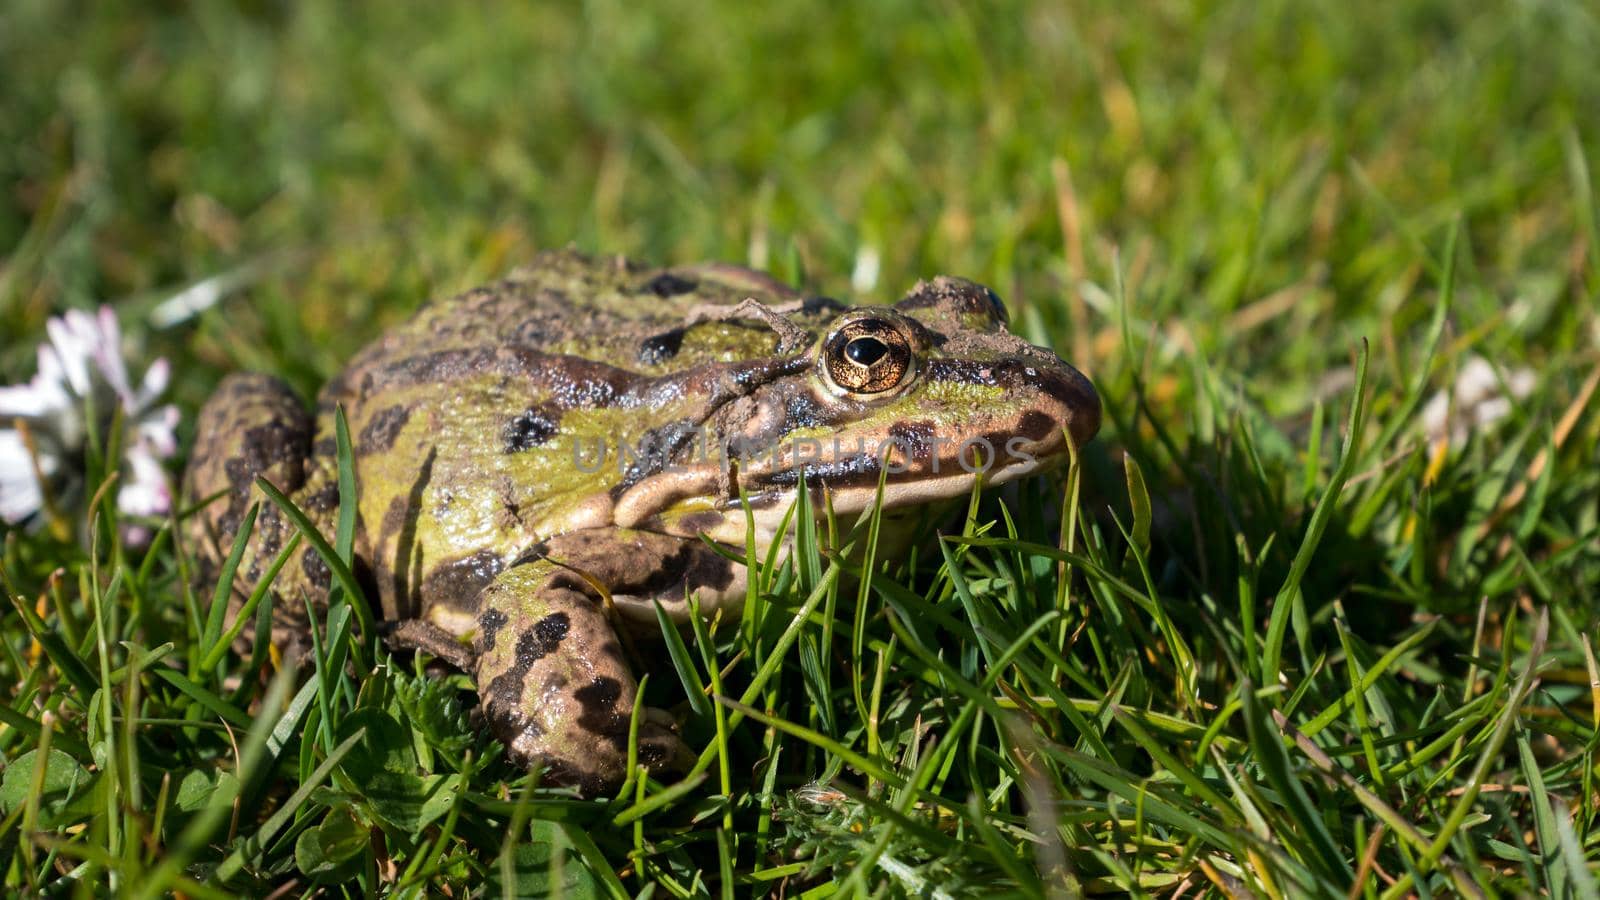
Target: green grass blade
x,y
218,609
341,570
1272,647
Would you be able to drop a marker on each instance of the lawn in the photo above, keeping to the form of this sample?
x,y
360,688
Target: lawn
x,y
1283,631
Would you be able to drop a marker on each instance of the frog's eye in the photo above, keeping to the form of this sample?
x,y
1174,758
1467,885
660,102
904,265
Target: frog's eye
x,y
867,356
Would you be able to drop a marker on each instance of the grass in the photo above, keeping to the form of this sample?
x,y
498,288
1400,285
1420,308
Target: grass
x,y
1270,640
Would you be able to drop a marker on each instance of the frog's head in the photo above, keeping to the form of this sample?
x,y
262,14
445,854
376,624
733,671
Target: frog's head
x,y
926,396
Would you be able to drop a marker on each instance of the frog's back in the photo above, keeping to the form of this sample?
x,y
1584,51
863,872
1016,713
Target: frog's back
x,y
593,308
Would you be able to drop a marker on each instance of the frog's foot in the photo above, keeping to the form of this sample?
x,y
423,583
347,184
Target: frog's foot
x,y
555,687
416,634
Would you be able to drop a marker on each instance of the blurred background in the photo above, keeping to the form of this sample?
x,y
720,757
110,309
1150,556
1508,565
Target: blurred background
x,y
1262,182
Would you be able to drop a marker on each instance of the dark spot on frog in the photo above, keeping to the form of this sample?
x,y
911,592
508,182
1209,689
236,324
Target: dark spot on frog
x,y
1035,425
531,428
913,439
698,522
505,692
564,771
336,389
325,499
394,518
457,583
656,350
801,411
316,571
668,284
958,371
381,430
326,447
600,715
708,570
276,442
692,566
542,639
273,450
269,531
489,625
846,470
239,389
542,324
653,452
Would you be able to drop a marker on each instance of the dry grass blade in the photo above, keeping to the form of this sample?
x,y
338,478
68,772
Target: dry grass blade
x,y
1563,430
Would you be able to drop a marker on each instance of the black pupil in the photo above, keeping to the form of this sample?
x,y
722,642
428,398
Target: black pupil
x,y
865,351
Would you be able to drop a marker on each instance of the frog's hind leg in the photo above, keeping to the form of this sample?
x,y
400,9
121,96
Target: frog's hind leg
x,y
254,426
554,682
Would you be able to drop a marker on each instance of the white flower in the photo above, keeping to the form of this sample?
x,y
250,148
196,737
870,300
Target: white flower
x,y
1475,401
44,429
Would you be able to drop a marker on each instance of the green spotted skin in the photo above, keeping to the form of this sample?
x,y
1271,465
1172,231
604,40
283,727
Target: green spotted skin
x,y
510,518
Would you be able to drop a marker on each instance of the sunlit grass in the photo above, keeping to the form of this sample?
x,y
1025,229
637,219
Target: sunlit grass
x,y
1269,637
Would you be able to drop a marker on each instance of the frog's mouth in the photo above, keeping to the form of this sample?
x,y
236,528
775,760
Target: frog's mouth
x,y
905,465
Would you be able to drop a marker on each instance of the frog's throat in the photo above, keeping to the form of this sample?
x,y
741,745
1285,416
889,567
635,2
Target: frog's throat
x,y
769,513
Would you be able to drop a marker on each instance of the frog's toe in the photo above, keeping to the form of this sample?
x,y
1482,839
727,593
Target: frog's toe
x,y
660,748
659,717
418,634
593,766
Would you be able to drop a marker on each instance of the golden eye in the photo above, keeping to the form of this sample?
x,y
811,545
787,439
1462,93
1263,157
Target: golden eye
x,y
867,356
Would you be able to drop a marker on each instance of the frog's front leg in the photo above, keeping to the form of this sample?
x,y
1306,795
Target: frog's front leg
x,y
555,685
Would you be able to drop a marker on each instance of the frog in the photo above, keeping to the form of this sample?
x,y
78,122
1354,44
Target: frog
x,y
546,464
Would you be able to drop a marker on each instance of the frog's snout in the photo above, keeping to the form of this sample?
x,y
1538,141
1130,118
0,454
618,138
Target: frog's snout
x,y
1062,398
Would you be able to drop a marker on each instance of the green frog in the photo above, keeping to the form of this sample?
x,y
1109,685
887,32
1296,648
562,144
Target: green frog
x,y
542,461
